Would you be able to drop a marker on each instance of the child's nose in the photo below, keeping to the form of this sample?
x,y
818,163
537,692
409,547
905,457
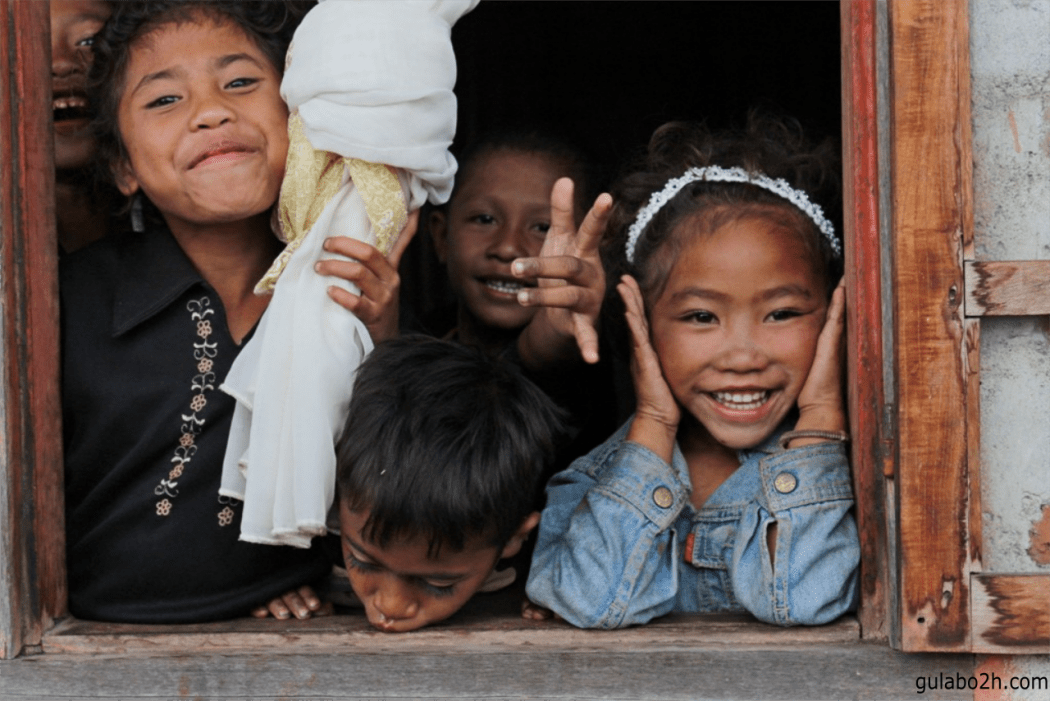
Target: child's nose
x,y
394,601
211,111
66,60
509,242
742,353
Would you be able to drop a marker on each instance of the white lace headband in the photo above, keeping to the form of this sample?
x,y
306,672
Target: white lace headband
x,y
729,175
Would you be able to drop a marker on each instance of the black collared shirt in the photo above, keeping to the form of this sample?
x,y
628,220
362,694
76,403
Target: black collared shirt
x,y
145,345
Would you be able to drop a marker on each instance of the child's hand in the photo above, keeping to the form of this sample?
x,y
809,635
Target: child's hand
x,y
820,403
376,276
302,602
535,612
571,279
656,419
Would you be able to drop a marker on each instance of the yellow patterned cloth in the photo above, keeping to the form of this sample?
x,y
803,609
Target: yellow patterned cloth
x,y
312,179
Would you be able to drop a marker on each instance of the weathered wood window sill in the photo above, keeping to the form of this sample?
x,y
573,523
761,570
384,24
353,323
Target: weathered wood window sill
x,y
489,624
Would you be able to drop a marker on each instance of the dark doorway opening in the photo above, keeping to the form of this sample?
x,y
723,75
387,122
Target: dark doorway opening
x,y
606,74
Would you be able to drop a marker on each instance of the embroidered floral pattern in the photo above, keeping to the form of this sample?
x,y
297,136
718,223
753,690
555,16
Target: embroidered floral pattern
x,y
198,403
226,516
204,353
227,513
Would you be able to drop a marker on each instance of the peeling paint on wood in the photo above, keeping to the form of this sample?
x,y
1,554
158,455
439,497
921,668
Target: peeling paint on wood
x,y
1007,288
1011,613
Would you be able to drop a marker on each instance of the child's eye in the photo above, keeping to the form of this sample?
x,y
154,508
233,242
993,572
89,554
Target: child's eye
x,y
543,227
700,317
784,314
484,219
360,564
242,82
86,42
438,589
162,101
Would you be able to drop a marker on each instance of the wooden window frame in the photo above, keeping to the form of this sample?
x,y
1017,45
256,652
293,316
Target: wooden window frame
x,y
909,551
944,601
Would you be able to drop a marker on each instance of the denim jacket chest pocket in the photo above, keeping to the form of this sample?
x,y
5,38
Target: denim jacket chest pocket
x,y
707,550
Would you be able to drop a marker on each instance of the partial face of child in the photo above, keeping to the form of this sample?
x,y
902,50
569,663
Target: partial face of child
x,y
402,587
203,123
736,327
500,212
73,24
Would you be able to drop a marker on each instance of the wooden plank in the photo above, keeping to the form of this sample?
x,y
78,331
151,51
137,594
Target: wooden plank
x,y
864,299
932,190
32,562
473,631
971,357
1007,288
1011,613
814,672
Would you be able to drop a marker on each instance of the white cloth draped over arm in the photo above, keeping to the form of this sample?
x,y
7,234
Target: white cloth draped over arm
x,y
368,82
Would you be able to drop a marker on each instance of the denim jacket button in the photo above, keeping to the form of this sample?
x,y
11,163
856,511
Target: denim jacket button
x,y
662,497
785,483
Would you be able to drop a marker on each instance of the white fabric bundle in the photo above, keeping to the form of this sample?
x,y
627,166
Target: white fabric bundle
x,y
370,80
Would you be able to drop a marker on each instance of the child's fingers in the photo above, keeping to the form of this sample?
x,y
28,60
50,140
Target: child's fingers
x,y
589,237
278,609
404,238
362,257
821,394
829,343
563,217
309,597
571,297
295,603
534,612
347,300
586,338
571,269
635,311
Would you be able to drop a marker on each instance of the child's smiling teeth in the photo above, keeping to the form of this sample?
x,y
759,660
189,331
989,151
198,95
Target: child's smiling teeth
x,y
741,401
504,286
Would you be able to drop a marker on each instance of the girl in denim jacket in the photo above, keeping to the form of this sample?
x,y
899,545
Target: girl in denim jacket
x,y
729,488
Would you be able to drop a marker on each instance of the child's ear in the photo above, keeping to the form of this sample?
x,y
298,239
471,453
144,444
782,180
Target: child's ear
x,y
439,232
513,545
124,175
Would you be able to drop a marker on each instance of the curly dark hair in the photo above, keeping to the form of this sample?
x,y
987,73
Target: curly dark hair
x,y
269,23
775,146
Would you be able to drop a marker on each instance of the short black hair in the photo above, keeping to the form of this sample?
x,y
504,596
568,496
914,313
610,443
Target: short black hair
x,y
576,162
444,442
269,23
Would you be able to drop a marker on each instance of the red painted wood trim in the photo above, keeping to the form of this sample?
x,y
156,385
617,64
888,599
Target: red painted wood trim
x,y
34,592
864,306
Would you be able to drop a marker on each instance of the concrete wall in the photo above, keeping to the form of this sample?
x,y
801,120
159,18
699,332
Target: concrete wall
x,y
1010,64
1010,55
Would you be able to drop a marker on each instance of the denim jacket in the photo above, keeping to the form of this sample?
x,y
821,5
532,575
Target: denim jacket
x,y
620,544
